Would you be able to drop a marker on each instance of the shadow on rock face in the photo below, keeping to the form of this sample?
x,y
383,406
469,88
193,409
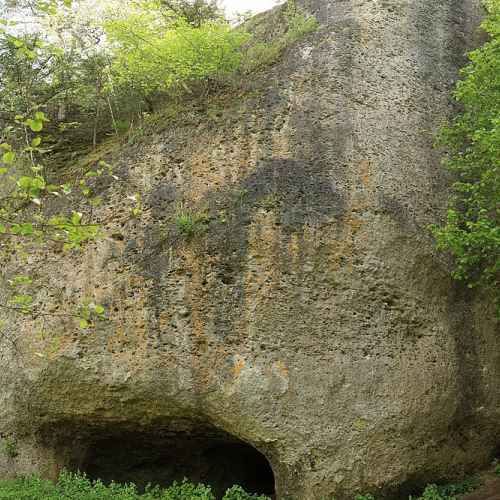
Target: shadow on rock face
x,y
292,194
298,193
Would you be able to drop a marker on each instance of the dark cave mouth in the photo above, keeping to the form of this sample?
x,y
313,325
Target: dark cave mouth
x,y
215,459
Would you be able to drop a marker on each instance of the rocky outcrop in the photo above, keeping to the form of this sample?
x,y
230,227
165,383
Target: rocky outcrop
x,y
308,315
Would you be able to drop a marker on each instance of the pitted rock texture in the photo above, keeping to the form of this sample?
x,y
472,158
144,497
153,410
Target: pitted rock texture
x,y
309,315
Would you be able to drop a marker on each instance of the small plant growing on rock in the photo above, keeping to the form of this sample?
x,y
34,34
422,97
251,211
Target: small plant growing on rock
x,y
190,224
298,25
89,313
10,448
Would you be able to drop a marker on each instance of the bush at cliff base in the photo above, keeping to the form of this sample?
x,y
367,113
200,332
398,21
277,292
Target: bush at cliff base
x,y
78,487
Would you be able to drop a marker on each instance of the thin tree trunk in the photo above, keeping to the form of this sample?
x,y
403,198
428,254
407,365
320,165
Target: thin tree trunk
x,y
112,115
97,113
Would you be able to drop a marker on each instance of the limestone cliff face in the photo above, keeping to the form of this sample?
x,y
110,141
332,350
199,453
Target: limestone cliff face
x,y
312,318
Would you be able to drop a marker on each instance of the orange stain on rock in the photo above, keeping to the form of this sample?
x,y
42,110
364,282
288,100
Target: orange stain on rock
x,y
239,364
365,173
282,368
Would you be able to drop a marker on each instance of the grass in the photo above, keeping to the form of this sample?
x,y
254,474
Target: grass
x,y
190,224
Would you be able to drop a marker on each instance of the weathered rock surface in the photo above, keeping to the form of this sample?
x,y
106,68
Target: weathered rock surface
x,y
311,317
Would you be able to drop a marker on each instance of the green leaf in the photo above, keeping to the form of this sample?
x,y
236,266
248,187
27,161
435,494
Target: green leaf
x,y
21,280
9,157
35,125
22,301
24,229
3,170
76,218
36,142
99,309
40,116
25,182
84,324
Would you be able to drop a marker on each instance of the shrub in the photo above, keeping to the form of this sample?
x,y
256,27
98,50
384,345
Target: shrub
x,y
32,488
238,493
448,491
155,52
472,229
297,25
432,492
71,486
185,490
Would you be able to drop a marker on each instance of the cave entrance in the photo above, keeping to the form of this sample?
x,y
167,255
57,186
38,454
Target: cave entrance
x,y
210,457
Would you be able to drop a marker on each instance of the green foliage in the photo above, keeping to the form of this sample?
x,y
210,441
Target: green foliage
x,y
155,51
89,313
448,491
497,469
238,493
439,492
27,489
98,71
472,140
79,487
432,492
184,490
190,224
296,25
10,448
466,486
24,220
195,12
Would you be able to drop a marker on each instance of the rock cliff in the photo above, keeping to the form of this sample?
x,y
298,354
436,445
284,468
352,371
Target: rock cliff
x,y
307,330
